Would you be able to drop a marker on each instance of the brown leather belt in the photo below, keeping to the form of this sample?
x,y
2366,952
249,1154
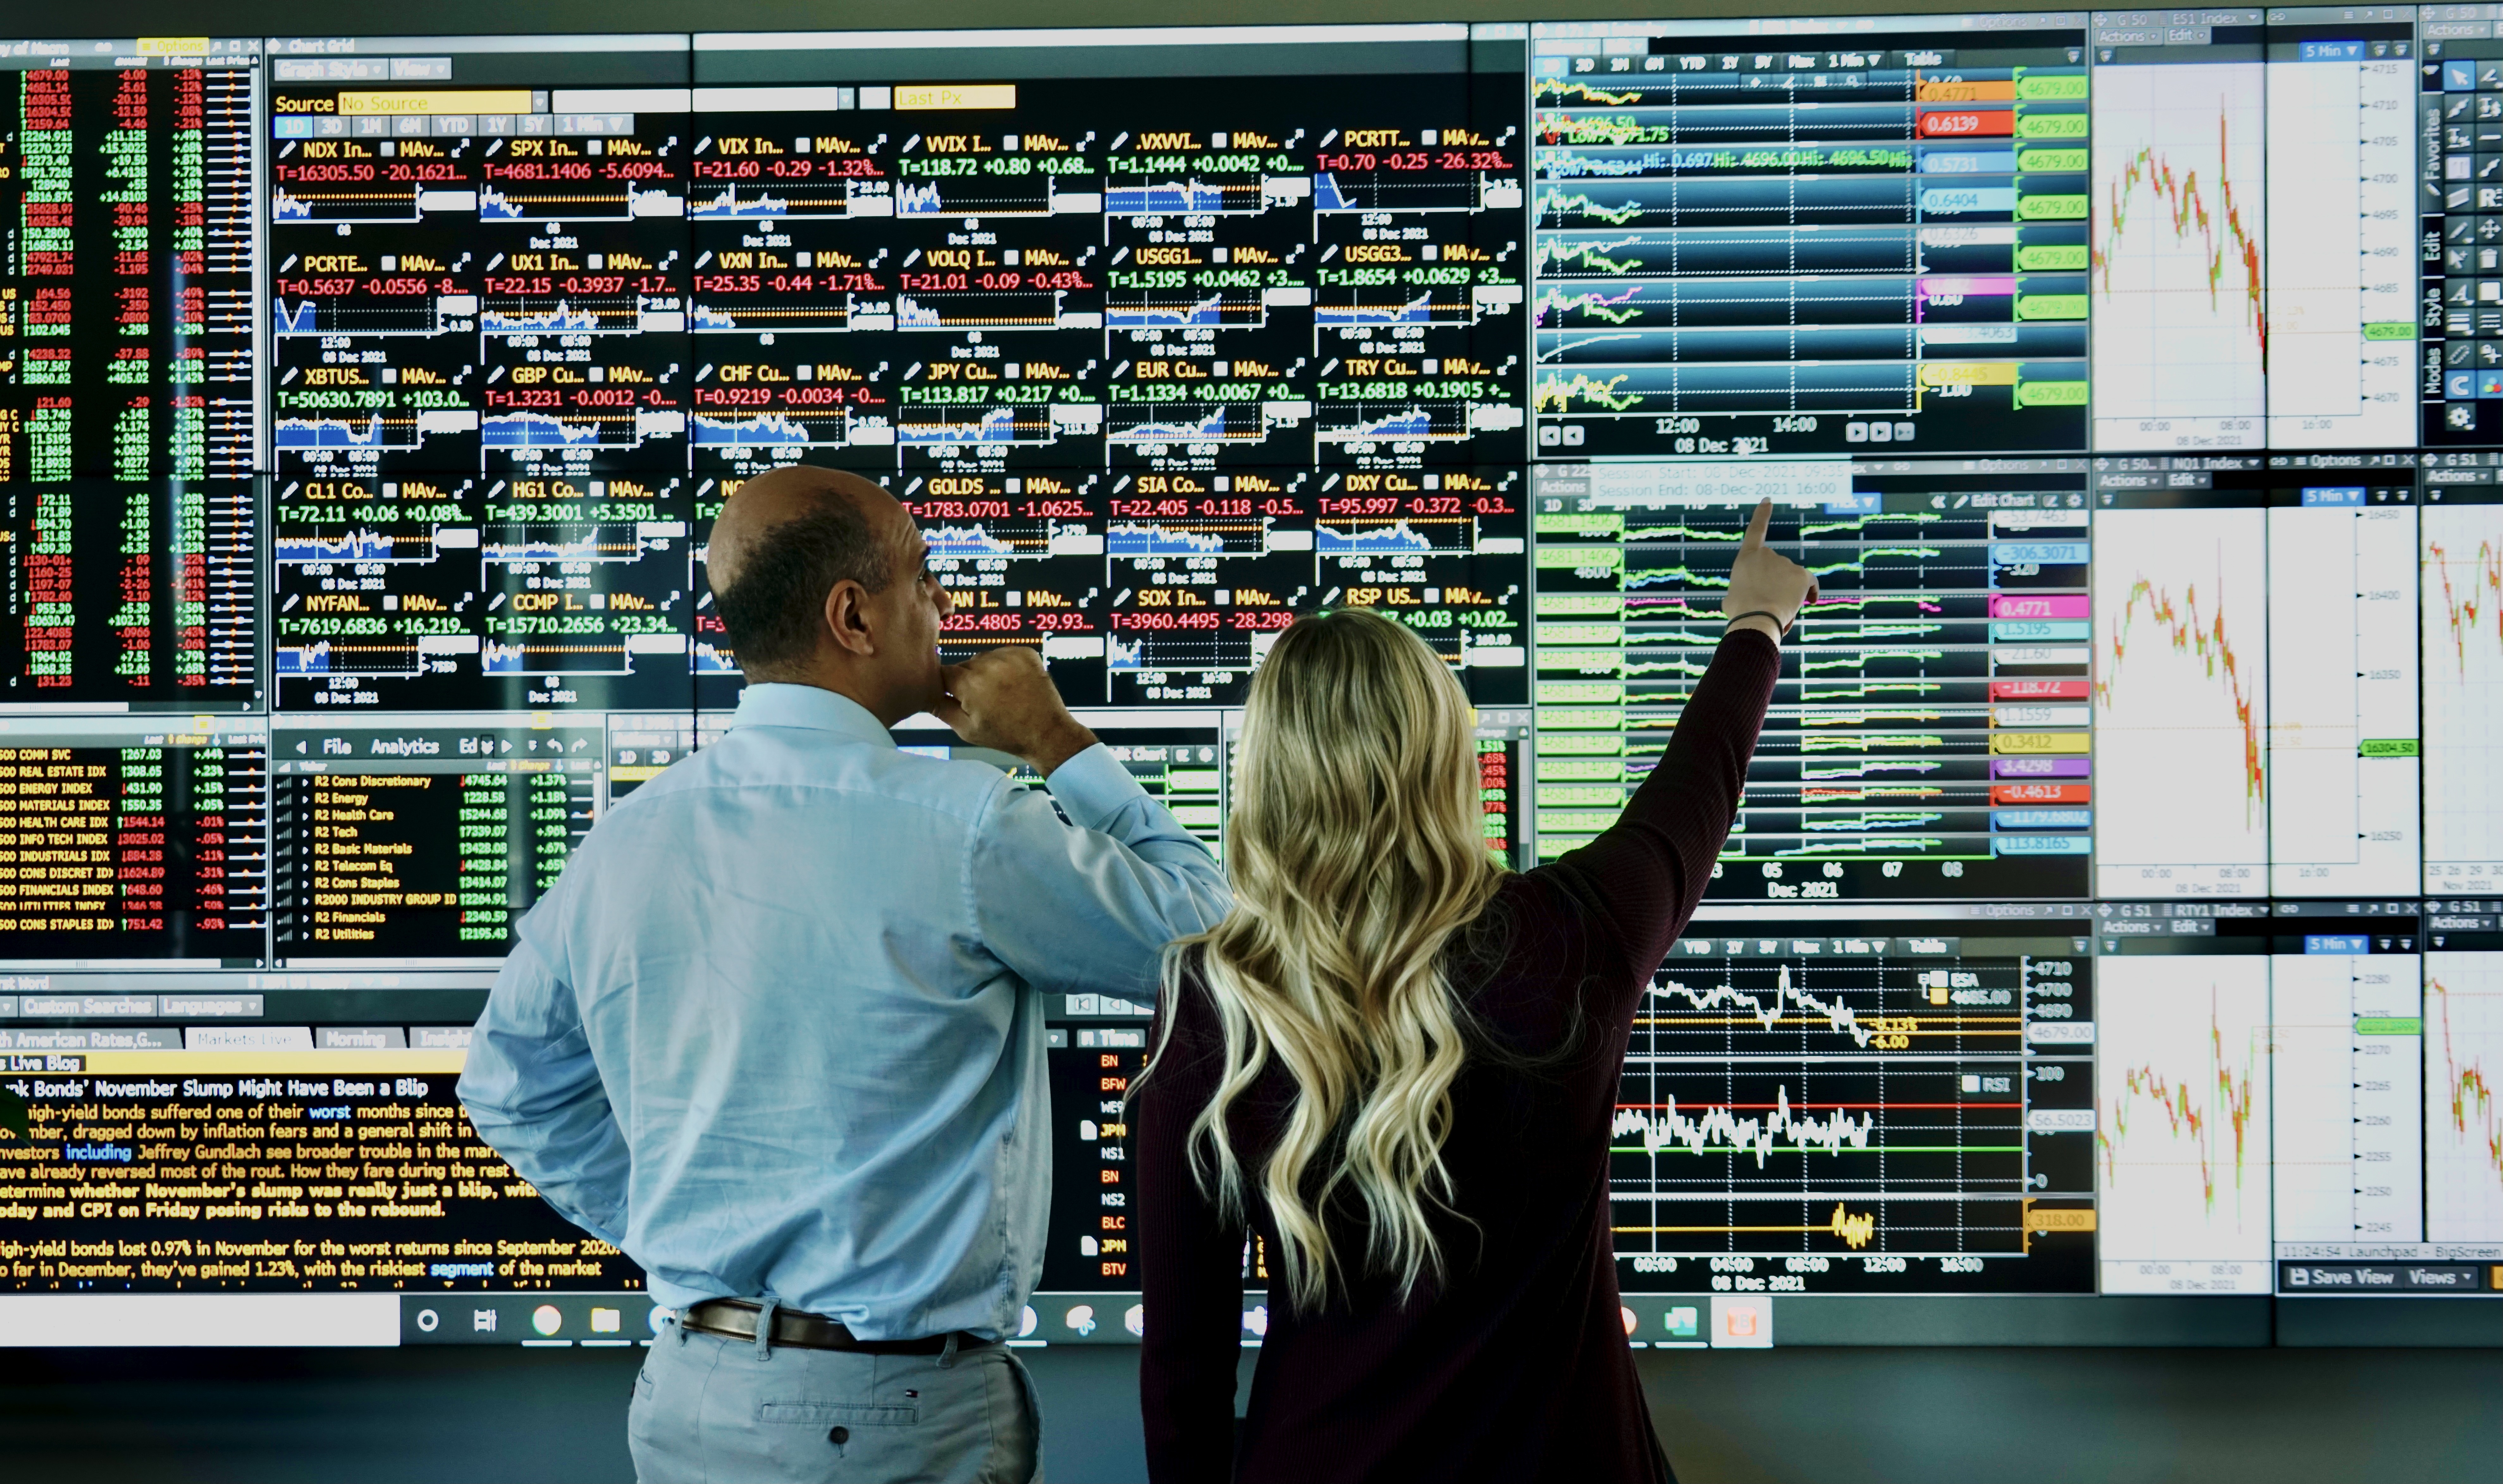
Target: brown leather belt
x,y
736,1319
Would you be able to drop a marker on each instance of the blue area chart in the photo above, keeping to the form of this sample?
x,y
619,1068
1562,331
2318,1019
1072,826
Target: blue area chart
x,y
998,426
1134,539
973,540
327,432
730,204
1210,429
1417,311
1166,198
312,658
351,546
1208,311
586,548
767,429
535,429
1399,535
1408,423
563,317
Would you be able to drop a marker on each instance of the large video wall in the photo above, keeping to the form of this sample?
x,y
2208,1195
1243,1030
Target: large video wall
x,y
2115,909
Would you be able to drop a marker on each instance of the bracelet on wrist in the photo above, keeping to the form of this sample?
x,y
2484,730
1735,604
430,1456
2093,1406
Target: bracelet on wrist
x,y
1735,619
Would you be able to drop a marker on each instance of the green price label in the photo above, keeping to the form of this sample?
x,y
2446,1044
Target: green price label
x,y
2051,208
2050,394
2050,307
2050,87
2052,258
2037,126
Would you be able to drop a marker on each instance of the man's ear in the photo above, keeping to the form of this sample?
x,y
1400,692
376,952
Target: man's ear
x,y
847,618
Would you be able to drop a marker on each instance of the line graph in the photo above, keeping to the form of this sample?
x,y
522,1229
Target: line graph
x,y
1749,1136
2460,594
1858,1007
1891,679
2463,1105
1780,1100
2181,313
2181,1130
2180,693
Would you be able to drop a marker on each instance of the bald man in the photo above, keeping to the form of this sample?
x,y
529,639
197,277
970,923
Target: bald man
x,y
775,1032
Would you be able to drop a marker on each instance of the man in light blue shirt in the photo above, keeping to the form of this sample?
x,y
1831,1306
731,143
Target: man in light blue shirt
x,y
775,1032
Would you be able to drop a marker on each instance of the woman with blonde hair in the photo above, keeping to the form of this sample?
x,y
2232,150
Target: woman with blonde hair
x,y
1395,1063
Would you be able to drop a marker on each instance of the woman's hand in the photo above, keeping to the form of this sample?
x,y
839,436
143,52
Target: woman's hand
x,y
1766,589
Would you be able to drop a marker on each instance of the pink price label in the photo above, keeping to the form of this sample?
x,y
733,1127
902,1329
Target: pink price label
x,y
1966,288
2040,605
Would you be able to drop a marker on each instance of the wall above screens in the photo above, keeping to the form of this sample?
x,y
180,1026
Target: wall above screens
x,y
2120,868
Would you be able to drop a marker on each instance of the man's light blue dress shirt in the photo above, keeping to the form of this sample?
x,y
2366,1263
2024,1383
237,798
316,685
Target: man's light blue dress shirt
x,y
776,1033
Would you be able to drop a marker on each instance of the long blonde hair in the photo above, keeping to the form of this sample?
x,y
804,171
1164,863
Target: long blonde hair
x,y
1355,846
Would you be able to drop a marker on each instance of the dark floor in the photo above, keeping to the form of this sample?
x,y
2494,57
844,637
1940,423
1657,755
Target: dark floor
x,y
1800,1416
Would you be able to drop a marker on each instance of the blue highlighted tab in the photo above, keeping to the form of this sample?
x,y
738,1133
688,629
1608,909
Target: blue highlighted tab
x,y
1970,162
2336,942
2344,494
2040,631
1855,502
2460,386
2333,52
1957,200
2041,844
2459,77
2038,818
2039,554
292,126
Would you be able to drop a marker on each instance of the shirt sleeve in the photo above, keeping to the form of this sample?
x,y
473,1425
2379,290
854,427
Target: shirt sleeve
x,y
1190,1276
1086,905
1641,878
533,1093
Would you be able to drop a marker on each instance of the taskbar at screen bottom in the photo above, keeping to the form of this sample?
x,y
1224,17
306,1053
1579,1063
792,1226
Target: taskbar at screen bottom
x,y
622,1321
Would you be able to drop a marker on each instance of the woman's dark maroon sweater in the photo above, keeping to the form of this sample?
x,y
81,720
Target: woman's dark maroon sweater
x,y
1515,1367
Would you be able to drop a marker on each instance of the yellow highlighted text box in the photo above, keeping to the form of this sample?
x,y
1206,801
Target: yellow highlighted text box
x,y
2037,742
414,102
930,96
1968,373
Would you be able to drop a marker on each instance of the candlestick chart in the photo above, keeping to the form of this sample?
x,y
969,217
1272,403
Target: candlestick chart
x,y
2460,588
2463,1090
2181,1129
2181,702
2178,275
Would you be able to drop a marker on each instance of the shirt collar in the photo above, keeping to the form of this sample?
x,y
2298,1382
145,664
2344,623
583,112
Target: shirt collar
x,y
810,708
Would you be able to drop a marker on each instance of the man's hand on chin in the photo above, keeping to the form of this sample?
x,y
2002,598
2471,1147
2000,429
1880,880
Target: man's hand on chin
x,y
1004,699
